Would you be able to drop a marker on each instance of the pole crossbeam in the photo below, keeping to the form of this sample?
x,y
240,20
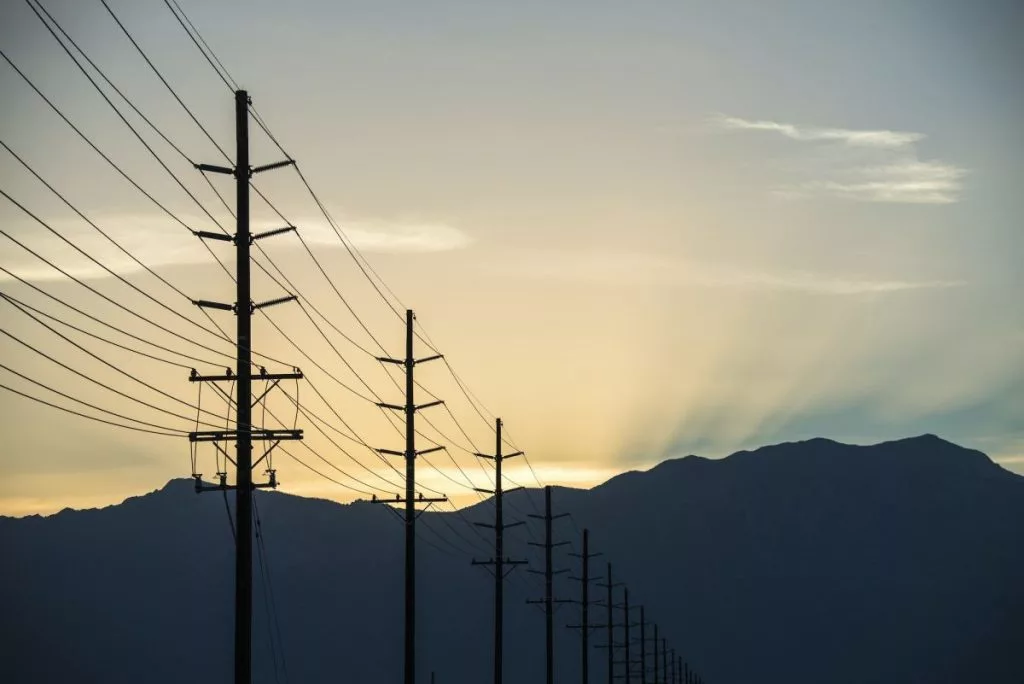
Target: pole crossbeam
x,y
411,498
499,560
244,434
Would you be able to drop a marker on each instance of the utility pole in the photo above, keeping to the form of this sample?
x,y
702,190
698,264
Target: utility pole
x,y
585,579
664,663
411,498
549,600
672,679
610,624
243,435
656,654
499,561
625,626
643,647
687,674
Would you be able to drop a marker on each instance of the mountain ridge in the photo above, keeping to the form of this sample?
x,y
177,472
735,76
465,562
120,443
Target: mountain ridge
x,y
815,561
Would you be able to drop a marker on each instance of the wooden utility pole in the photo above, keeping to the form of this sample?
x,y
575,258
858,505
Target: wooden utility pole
x,y
585,579
499,561
411,498
243,435
549,573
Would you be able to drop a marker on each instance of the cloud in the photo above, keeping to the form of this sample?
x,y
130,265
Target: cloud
x,y
869,138
658,270
908,182
893,172
390,236
158,243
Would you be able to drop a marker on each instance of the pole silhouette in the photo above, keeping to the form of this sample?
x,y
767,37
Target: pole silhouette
x,y
549,599
499,561
585,579
243,435
411,499
664,661
656,654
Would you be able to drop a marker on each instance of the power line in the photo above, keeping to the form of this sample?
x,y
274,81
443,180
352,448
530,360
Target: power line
x,y
163,428
26,283
164,80
83,415
106,363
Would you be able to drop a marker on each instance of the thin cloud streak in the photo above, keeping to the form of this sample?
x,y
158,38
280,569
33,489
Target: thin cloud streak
x,y
157,244
652,269
884,139
899,176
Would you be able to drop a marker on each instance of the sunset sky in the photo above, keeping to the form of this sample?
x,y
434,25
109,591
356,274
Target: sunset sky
x,y
636,230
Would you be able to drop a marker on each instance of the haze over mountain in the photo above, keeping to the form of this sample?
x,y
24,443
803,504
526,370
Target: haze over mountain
x,y
804,562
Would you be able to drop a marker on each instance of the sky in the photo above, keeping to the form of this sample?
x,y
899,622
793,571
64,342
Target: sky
x,y
636,231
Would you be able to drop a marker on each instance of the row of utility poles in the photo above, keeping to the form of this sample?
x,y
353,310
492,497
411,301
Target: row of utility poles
x,y
244,434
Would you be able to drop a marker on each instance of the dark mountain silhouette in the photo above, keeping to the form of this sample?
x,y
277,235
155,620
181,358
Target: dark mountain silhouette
x,y
800,563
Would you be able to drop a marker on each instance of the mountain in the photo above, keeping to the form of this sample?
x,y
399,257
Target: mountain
x,y
802,563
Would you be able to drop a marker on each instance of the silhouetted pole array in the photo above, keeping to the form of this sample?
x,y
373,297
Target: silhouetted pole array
x,y
411,499
499,561
549,599
585,579
243,435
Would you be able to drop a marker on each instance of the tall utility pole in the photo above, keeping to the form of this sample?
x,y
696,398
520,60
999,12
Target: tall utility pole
x,y
549,600
411,498
499,561
655,680
672,679
243,435
625,626
664,662
610,624
643,647
585,579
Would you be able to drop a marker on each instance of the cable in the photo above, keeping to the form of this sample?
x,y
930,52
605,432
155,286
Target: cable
x,y
268,589
97,382
114,242
54,319
110,161
222,72
102,322
163,80
114,87
176,435
37,383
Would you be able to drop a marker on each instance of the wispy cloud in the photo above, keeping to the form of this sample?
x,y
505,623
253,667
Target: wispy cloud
x,y
868,138
391,236
158,244
611,268
894,173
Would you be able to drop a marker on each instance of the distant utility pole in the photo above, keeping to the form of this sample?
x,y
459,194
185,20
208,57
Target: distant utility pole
x,y
625,627
549,600
243,435
664,662
610,624
411,498
643,647
656,643
499,561
672,679
585,579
